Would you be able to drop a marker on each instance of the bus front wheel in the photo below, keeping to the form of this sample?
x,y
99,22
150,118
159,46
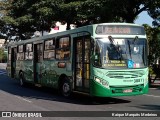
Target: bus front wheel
x,y
66,88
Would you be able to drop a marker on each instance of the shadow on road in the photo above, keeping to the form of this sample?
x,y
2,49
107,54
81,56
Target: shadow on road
x,y
155,85
32,92
149,107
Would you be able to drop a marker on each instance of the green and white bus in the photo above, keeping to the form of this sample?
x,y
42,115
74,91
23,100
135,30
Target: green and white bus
x,y
104,60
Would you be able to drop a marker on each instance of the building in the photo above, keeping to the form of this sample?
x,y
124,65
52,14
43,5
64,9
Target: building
x,y
60,27
2,41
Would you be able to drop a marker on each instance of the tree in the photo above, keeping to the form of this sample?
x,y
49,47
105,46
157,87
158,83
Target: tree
x,y
3,56
154,12
23,17
117,10
27,16
153,37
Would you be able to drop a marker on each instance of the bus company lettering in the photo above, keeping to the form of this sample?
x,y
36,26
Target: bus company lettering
x,y
117,61
138,80
51,82
28,114
118,65
135,80
127,80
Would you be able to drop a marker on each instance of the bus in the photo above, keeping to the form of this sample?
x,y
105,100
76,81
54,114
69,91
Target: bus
x,y
101,60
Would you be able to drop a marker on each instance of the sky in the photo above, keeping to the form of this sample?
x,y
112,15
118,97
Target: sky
x,y
144,18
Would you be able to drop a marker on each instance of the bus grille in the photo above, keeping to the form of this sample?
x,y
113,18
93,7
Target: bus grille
x,y
125,74
137,88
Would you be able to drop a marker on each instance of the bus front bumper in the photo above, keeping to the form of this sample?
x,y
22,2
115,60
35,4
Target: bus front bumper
x,y
101,91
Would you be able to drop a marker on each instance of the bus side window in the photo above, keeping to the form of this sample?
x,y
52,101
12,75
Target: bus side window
x,y
49,50
63,48
29,52
20,54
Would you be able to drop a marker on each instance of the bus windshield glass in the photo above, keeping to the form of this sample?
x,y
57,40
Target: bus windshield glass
x,y
120,53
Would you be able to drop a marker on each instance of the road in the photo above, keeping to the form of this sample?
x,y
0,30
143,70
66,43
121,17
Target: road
x,y
16,98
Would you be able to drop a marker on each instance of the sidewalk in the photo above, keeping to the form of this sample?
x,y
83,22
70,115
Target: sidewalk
x,y
3,66
155,84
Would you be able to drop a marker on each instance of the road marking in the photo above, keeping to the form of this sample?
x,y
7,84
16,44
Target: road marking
x,y
153,88
23,99
152,95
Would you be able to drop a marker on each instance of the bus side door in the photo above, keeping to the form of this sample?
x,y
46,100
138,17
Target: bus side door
x,y
81,61
38,58
13,61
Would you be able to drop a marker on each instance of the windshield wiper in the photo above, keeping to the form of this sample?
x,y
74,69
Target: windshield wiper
x,y
116,46
135,39
129,49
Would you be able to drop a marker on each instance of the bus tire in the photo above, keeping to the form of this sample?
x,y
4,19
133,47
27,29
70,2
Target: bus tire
x,y
21,79
66,88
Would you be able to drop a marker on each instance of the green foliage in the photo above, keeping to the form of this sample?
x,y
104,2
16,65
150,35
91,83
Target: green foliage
x,y
3,56
26,16
153,37
151,72
154,12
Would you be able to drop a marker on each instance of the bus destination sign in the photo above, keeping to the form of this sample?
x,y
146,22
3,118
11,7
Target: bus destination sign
x,y
120,29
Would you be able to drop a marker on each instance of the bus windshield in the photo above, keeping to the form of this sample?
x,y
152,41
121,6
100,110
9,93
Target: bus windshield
x,y
120,53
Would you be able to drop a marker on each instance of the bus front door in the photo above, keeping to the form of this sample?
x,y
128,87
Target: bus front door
x,y
38,57
13,61
81,62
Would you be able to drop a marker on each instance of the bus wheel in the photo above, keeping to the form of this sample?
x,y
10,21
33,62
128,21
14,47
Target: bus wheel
x,y
66,88
21,79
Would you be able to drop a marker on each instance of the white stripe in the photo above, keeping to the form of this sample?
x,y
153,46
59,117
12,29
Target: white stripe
x,y
5,93
23,99
153,88
152,95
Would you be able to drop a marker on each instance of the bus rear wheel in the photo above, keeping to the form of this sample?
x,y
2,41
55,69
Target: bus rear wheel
x,y
66,88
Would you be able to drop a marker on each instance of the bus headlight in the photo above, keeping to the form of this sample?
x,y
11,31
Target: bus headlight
x,y
97,80
102,82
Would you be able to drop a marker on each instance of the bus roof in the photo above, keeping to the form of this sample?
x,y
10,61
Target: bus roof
x,y
79,29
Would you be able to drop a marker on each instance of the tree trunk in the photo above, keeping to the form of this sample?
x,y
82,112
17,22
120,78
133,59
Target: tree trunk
x,y
68,25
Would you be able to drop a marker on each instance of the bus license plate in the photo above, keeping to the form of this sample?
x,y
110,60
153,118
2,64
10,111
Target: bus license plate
x,y
127,91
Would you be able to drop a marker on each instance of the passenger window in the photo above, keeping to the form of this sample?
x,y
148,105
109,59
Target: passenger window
x,y
20,54
63,48
49,52
29,52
